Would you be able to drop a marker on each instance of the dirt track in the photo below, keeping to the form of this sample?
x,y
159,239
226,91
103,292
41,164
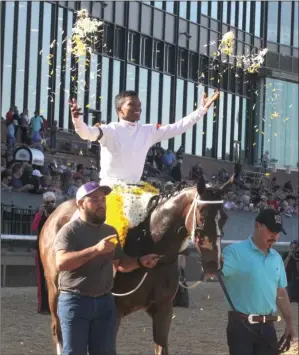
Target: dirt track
x,y
197,330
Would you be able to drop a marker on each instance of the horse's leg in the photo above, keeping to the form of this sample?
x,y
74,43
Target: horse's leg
x,y
55,324
161,315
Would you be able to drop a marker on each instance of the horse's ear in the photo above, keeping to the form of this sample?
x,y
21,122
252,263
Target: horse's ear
x,y
226,186
201,185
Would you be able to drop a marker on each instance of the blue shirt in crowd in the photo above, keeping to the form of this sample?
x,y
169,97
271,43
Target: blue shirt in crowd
x,y
252,278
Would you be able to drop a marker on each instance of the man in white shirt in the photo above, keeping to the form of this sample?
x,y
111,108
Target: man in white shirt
x,y
124,144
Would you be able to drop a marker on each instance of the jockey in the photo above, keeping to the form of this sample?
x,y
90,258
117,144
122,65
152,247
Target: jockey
x,y
124,146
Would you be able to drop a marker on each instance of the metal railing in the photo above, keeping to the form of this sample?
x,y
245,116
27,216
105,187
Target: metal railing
x,y
16,221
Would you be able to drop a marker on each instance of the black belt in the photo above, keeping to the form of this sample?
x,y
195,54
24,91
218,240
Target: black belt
x,y
254,318
80,294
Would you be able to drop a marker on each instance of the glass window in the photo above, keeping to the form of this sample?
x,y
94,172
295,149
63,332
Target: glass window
x,y
190,108
199,125
19,89
143,78
248,14
210,125
7,60
67,72
224,11
228,127
159,4
214,9
204,7
104,89
237,117
272,21
46,60
281,122
92,85
220,126
183,9
57,72
154,98
81,81
169,6
133,47
296,25
203,41
233,13
193,11
179,110
115,88
243,137
33,58
240,22
131,74
166,105
257,23
285,25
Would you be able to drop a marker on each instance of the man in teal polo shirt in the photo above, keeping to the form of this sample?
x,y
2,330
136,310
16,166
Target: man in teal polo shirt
x,y
255,279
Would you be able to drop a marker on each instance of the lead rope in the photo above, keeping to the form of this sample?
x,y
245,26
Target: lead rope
x,y
134,290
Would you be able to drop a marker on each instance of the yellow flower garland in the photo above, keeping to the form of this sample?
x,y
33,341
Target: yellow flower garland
x,y
115,207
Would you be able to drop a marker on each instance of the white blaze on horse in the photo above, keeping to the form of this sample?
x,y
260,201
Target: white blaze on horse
x,y
169,220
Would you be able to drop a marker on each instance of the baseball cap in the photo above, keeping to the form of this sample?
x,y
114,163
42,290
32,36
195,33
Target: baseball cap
x,y
271,219
90,187
36,172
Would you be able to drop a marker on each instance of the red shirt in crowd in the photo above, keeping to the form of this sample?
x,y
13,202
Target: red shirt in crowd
x,y
273,204
9,116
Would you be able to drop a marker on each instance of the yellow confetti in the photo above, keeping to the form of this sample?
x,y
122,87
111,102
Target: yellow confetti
x,y
263,133
275,134
275,114
87,106
257,130
52,72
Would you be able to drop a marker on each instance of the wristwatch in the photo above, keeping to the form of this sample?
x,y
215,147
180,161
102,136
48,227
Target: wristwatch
x,y
140,263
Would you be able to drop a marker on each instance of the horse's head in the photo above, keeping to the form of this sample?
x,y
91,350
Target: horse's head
x,y
205,221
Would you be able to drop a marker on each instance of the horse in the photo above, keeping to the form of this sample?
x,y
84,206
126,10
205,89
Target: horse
x,y
197,211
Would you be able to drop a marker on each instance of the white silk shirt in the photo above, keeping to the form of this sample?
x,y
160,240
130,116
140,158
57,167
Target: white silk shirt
x,y
124,145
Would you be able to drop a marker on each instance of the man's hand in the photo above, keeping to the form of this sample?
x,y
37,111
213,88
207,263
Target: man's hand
x,y
75,110
150,260
208,101
106,245
290,332
41,209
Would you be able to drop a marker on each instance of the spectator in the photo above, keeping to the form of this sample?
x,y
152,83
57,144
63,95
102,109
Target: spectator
x,y
79,170
180,152
16,182
5,180
36,124
53,133
74,188
288,186
36,182
150,156
10,114
176,172
168,159
265,160
86,179
3,164
24,126
49,204
11,133
291,263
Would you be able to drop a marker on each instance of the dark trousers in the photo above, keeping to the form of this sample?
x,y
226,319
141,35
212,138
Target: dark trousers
x,y
87,323
244,338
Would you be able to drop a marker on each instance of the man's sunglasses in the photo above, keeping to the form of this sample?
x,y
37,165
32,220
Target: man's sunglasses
x,y
53,201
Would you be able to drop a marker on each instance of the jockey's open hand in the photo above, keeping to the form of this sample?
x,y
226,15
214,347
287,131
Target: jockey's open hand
x,y
206,102
75,109
149,260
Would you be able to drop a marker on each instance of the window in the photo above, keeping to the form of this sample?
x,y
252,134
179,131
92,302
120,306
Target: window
x,y
272,21
193,66
240,22
131,74
243,136
233,13
193,11
204,7
104,89
154,98
237,118
158,55
199,125
210,125
119,43
7,62
179,110
166,104
44,91
203,41
58,63
183,63
190,108
214,9
169,58
133,47
146,52
32,58
169,6
115,88
143,79
108,40
159,4
296,25
228,127
92,99
67,72
285,25
248,16
224,11
183,9
257,23
220,126
80,85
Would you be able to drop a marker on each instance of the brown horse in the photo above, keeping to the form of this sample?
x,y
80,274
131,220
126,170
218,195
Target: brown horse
x,y
170,220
